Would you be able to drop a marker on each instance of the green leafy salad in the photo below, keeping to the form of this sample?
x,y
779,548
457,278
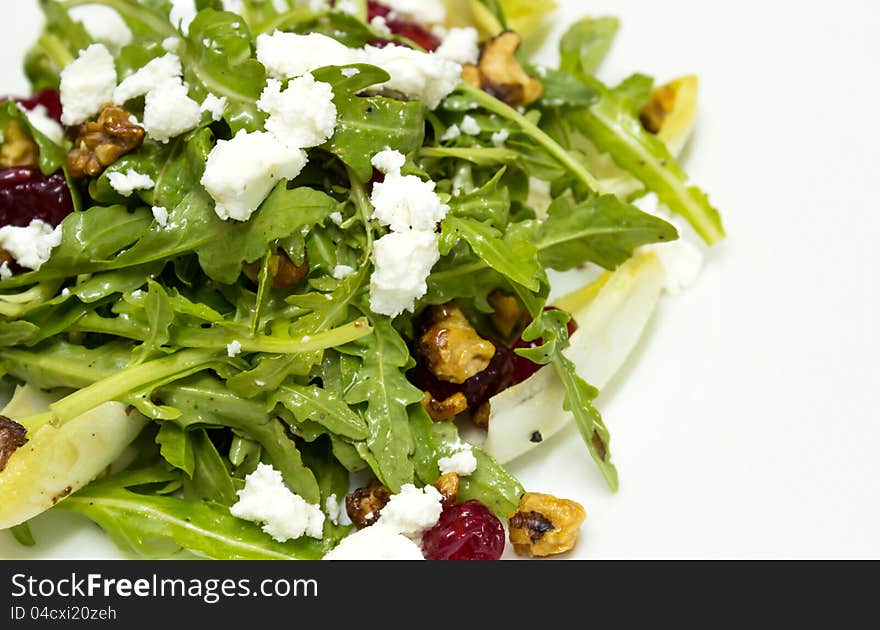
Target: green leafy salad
x,y
275,275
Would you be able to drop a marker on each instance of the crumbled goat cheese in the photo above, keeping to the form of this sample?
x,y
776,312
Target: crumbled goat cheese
x,y
285,515
333,509
126,183
461,45
350,72
65,292
233,349
215,105
40,120
352,7
341,272
407,202
470,126
30,246
424,76
336,217
301,116
500,138
421,11
288,55
172,44
376,543
161,215
389,162
451,134
104,24
380,25
160,71
5,271
413,511
682,260
87,84
183,12
170,112
463,462
239,186
394,287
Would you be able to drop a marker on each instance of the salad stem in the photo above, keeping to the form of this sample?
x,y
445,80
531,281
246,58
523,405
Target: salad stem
x,y
492,104
59,53
364,208
286,18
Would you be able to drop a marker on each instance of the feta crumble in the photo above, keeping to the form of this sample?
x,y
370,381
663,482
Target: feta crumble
x,y
87,84
128,182
418,75
284,515
170,112
233,349
172,44
420,11
333,509
350,7
463,462
288,55
413,510
5,271
39,119
215,105
470,126
376,543
182,13
336,217
395,287
389,162
161,215
239,186
158,72
452,133
407,203
30,246
380,25
104,24
461,45
341,272
350,72
500,138
301,116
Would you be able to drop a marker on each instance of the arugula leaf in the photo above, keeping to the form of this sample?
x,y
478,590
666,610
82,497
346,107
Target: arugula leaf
x,y
586,44
210,480
176,447
489,204
309,402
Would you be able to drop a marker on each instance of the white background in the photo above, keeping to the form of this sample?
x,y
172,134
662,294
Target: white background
x,y
747,426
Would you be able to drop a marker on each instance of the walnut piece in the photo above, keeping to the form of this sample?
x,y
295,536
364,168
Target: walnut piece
x,y
12,437
282,270
443,410
99,144
500,73
544,525
654,113
508,315
364,504
451,348
447,485
19,148
481,416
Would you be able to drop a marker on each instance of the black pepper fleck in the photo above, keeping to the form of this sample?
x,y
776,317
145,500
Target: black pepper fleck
x,y
537,438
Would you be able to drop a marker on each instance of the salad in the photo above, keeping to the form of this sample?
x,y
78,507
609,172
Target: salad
x,y
276,275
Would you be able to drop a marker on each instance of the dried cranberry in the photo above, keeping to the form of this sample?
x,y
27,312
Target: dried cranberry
x,y
26,194
410,30
50,99
465,532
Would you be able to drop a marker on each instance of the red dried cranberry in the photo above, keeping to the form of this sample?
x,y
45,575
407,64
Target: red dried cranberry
x,y
404,28
465,532
26,194
50,99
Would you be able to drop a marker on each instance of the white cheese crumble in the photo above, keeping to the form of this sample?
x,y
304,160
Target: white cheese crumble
x,y
424,76
87,84
350,72
380,25
288,55
172,44
470,126
348,6
170,112
404,202
461,45
500,138
301,116
40,120
5,271
333,509
336,217
239,186
128,182
341,272
215,105
183,12
394,287
158,72
413,510
104,24
233,349
681,259
463,462
376,543
452,133
421,11
389,162
284,515
30,246
161,215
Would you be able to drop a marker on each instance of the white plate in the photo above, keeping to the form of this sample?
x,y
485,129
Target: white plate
x,y
747,425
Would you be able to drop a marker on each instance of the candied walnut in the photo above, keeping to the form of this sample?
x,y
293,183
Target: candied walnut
x,y
544,525
99,144
508,315
19,148
364,504
447,485
12,437
654,113
501,74
282,270
442,410
451,348
482,414
471,74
